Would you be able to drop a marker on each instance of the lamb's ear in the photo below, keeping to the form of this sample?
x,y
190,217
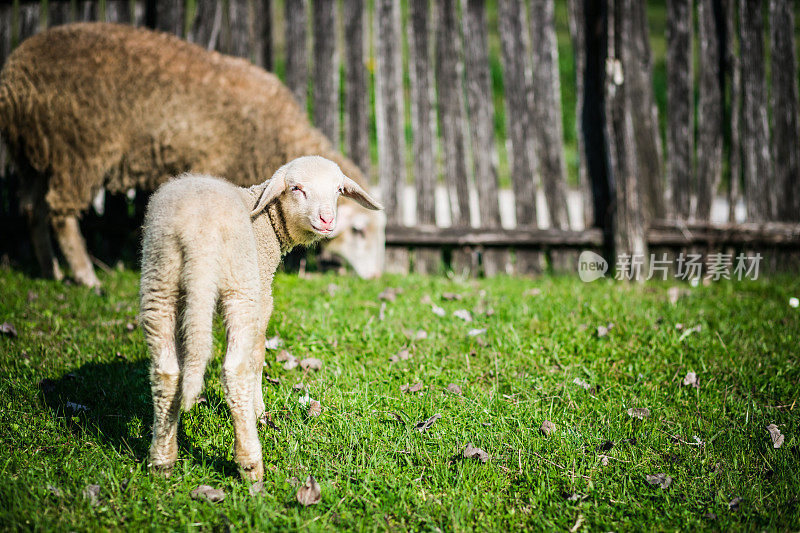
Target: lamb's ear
x,y
353,190
273,188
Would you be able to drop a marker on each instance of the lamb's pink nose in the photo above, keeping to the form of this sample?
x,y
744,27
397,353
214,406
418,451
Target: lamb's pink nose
x,y
327,221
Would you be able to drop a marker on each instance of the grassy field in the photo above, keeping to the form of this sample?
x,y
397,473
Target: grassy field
x,y
76,410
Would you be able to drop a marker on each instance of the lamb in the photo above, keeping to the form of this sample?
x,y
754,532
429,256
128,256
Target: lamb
x,y
207,242
92,106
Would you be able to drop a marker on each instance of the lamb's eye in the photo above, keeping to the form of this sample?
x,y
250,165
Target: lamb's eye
x,y
296,188
341,190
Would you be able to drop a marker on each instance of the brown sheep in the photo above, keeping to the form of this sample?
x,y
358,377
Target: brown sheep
x,y
92,106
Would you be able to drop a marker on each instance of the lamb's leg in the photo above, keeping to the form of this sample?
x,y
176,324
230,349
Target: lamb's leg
x,y
158,316
258,356
238,383
73,246
42,246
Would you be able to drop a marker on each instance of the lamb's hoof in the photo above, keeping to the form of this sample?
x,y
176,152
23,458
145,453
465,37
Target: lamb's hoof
x,y
164,470
252,472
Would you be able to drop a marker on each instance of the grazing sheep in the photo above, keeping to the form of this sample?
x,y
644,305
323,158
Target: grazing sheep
x,y
92,106
208,242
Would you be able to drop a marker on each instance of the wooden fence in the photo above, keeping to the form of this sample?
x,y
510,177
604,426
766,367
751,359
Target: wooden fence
x,y
418,72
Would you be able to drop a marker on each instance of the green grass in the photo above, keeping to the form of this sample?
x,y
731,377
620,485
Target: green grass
x,y
378,473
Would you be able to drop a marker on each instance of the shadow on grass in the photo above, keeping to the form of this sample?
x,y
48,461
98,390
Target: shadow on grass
x,y
111,402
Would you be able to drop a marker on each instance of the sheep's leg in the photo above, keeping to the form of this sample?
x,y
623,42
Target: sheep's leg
x,y
258,356
238,383
42,246
197,329
73,246
158,315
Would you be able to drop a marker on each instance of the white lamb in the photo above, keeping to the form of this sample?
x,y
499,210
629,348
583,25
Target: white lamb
x,y
207,242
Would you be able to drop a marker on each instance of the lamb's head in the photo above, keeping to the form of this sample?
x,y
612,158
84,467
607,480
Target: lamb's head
x,y
308,189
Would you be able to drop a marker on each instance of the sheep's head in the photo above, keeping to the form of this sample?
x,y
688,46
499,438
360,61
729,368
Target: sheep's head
x,y
309,188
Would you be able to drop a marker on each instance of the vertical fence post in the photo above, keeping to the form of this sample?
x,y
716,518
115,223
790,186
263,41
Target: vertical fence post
x,y
629,237
785,135
639,82
450,95
759,191
481,119
426,260
207,24
709,108
118,11
356,89
237,34
260,29
326,71
577,29
549,132
511,18
389,120
58,12
165,15
679,102
296,49
8,207
734,83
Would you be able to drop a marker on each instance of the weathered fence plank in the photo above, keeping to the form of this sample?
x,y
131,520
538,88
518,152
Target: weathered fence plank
x,y
629,235
680,131
207,24
165,15
524,238
710,32
118,11
297,49
784,104
758,193
389,119
260,29
356,89
29,16
577,29
59,12
733,72
639,83
449,88
423,124
326,71
481,120
517,87
237,32
548,132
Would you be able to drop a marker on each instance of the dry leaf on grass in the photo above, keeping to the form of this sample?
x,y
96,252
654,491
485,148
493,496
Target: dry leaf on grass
x,y
273,343
8,329
389,294
691,380
734,503
414,387
290,364
463,314
208,493
426,300
794,303
402,355
475,332
455,389
415,335
775,433
256,488
92,494
332,288
424,425
450,296
533,292
602,331
639,412
662,480
581,383
311,363
314,409
438,311
547,428
310,493
272,381
266,420
471,452
283,356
